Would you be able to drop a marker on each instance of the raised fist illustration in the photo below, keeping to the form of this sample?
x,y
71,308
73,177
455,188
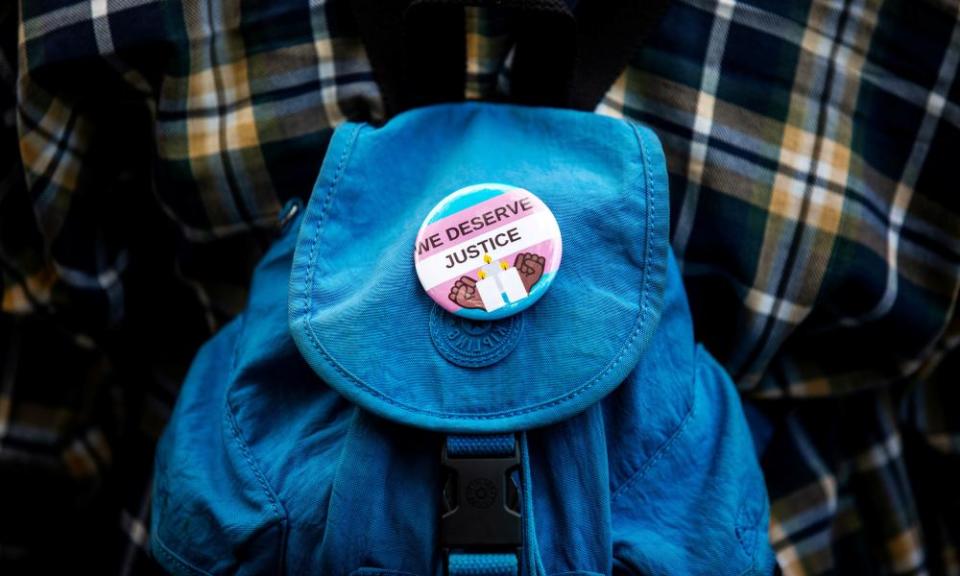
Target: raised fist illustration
x,y
464,293
530,267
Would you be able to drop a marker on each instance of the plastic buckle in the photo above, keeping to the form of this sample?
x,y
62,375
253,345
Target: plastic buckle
x,y
481,503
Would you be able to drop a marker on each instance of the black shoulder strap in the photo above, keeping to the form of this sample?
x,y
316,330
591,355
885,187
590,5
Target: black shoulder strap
x,y
609,33
566,53
417,51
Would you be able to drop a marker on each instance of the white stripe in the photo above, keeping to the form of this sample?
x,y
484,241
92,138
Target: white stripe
x,y
101,26
615,100
68,16
104,279
905,188
702,125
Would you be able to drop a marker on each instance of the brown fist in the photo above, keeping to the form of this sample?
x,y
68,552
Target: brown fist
x,y
530,267
464,293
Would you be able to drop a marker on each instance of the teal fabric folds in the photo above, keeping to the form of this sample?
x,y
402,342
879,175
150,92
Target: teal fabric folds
x,y
307,437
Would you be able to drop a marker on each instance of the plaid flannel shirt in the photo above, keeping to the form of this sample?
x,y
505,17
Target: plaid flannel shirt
x,y
148,147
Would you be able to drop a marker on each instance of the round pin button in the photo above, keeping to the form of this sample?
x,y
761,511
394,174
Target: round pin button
x,y
488,251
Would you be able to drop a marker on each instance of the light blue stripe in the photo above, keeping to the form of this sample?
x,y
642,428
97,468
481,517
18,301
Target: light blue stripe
x,y
482,565
465,201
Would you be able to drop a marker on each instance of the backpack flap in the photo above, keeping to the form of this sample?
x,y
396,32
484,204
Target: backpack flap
x,y
364,323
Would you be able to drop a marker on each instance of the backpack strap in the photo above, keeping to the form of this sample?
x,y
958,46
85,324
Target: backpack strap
x,y
481,528
417,51
609,33
567,53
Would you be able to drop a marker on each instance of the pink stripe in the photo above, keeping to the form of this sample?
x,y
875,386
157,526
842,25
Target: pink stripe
x,y
440,226
441,292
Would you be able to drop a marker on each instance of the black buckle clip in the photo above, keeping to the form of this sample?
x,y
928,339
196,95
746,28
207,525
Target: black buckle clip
x,y
481,503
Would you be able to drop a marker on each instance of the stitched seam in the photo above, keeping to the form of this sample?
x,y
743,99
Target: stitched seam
x,y
163,550
638,326
662,451
651,220
279,513
244,451
278,510
321,218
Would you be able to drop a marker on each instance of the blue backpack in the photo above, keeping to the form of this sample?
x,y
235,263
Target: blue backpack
x,y
353,422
